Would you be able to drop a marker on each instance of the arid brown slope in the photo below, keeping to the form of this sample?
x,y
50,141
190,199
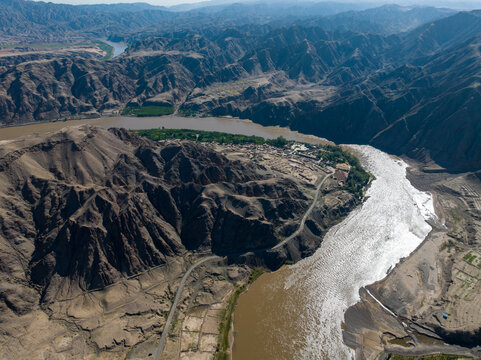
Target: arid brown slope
x,y
98,226
85,207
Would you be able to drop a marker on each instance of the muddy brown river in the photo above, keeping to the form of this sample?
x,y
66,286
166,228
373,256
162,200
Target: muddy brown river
x,y
296,312
228,125
265,320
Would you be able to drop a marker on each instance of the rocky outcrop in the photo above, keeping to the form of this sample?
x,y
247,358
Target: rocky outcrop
x,y
59,88
85,207
415,93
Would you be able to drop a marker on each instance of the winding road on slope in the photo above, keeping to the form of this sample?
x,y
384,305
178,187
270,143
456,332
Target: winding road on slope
x,y
174,304
306,215
166,330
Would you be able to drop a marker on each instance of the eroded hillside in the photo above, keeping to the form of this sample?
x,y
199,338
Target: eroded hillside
x,y
99,225
414,93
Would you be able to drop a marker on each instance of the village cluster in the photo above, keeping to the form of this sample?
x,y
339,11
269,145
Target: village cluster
x,y
297,160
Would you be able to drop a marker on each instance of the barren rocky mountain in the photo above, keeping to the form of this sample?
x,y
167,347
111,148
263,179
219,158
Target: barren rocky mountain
x,y
31,21
97,225
86,206
386,19
424,110
398,90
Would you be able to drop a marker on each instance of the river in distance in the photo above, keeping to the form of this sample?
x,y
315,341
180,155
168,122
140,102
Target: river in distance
x,y
296,312
119,47
225,124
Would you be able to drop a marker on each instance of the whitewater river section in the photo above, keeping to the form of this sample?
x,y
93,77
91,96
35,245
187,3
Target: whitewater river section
x,y
119,47
296,313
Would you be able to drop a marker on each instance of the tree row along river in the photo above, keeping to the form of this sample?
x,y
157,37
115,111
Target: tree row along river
x,y
296,312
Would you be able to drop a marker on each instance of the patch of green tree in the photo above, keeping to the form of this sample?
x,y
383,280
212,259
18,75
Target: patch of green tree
x,y
448,245
357,180
469,258
255,274
209,136
358,177
279,141
148,110
109,50
129,110
188,112
226,323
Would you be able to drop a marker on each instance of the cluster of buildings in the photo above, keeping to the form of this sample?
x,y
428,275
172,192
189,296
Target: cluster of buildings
x,y
300,165
298,160
341,171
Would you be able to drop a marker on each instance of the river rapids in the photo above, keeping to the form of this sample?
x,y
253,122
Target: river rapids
x,y
357,252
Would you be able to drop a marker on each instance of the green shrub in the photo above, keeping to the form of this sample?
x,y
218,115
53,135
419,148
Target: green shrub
x,y
201,136
225,324
149,110
188,112
358,177
278,142
109,50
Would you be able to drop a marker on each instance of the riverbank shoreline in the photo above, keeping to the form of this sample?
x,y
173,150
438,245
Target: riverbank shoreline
x,y
322,286
222,124
232,334
420,327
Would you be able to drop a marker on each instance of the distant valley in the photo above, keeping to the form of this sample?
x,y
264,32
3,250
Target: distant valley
x,y
399,87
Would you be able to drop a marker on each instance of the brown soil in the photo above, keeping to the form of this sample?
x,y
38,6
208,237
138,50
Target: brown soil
x,y
71,287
